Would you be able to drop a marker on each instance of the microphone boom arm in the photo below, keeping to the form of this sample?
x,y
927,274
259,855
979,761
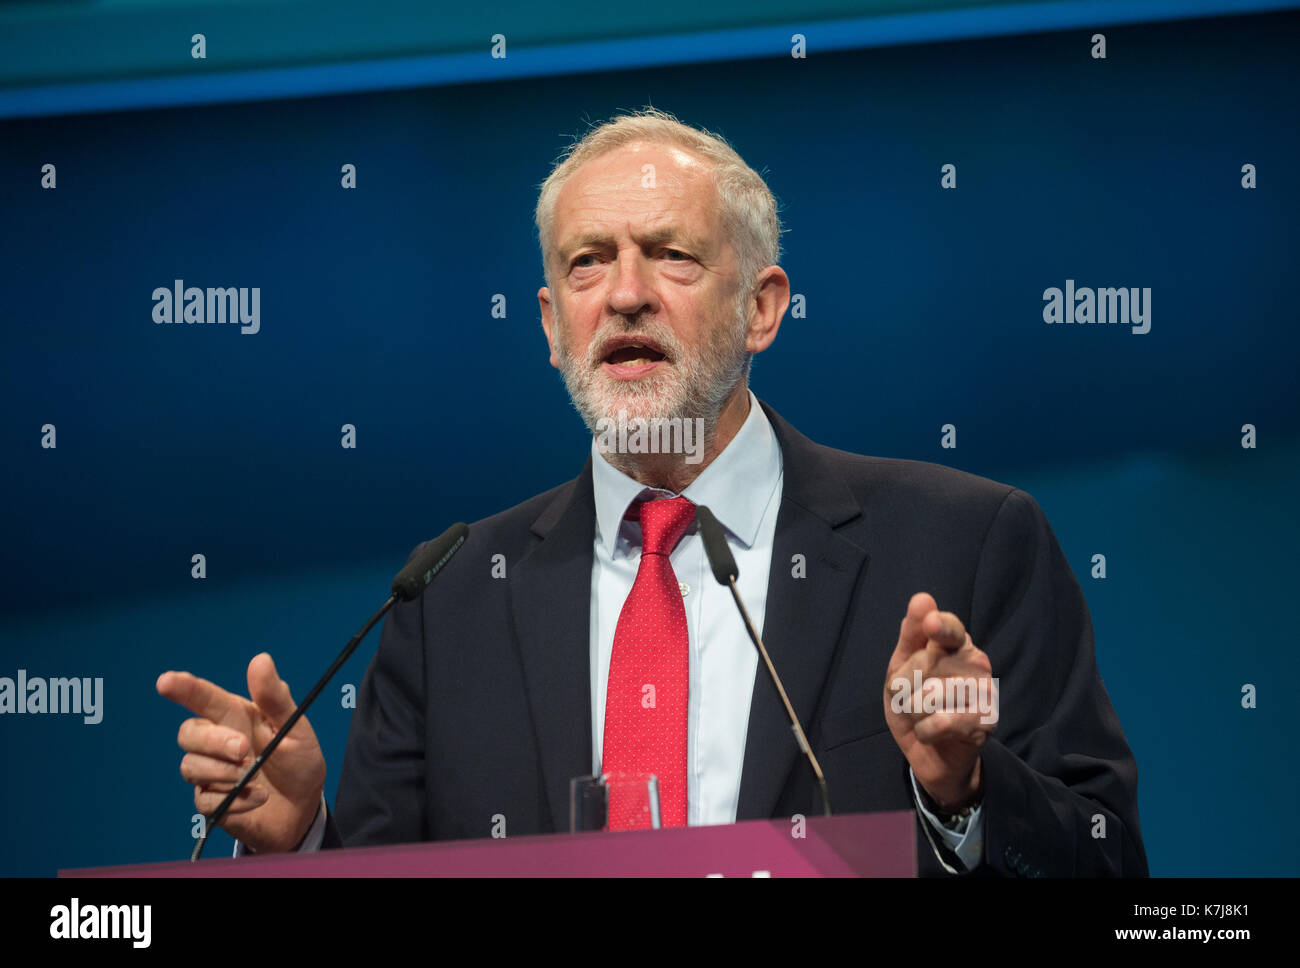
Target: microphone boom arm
x,y
799,736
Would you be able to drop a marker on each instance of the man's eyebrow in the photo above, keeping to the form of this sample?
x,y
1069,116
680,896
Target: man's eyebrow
x,y
667,233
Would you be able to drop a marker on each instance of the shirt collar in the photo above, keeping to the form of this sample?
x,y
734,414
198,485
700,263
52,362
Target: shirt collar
x,y
737,486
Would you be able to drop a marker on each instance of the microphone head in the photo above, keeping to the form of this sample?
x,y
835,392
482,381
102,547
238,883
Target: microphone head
x,y
715,546
412,580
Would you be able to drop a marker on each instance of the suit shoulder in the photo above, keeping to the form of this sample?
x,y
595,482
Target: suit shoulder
x,y
918,482
953,509
884,480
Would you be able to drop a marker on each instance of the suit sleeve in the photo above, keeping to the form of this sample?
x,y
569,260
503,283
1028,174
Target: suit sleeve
x,y
1060,782
381,794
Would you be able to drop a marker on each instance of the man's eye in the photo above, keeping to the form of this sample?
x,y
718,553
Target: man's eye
x,y
577,262
672,252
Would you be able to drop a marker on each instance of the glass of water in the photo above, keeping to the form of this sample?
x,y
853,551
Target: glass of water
x,y
614,801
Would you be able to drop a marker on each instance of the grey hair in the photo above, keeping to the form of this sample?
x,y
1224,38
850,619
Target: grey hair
x,y
748,207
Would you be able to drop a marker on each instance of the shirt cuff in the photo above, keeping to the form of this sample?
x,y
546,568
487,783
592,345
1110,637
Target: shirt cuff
x,y
966,841
311,842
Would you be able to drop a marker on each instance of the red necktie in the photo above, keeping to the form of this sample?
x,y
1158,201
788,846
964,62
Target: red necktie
x,y
649,674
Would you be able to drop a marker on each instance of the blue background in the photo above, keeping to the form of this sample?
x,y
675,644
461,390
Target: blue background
x,y
924,308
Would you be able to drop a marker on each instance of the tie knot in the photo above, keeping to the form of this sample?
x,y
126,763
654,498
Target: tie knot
x,y
663,523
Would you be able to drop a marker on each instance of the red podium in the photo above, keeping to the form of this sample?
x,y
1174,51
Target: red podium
x,y
853,845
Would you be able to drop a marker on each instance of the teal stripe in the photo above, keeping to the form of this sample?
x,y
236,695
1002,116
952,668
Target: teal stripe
x,y
704,47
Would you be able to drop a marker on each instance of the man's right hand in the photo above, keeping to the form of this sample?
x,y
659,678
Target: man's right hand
x,y
276,809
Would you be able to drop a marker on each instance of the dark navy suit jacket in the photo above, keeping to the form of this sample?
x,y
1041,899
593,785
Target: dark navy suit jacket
x,y
477,704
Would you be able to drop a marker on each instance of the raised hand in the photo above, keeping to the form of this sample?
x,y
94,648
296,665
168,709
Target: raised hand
x,y
942,739
228,732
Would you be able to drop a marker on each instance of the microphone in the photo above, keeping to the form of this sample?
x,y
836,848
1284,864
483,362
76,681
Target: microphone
x,y
723,565
410,582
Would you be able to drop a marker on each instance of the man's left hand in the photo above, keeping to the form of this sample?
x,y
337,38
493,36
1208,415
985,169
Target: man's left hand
x,y
943,745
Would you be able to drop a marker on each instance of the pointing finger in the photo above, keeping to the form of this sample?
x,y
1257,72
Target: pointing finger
x,y
199,696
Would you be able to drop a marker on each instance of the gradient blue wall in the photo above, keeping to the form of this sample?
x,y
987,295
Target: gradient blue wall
x,y
924,308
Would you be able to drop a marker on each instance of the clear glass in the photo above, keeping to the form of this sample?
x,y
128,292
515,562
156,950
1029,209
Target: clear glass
x,y
614,801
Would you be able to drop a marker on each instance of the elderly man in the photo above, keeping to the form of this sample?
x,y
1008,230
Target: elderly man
x,y
582,632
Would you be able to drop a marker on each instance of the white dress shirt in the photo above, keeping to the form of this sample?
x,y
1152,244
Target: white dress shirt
x,y
742,487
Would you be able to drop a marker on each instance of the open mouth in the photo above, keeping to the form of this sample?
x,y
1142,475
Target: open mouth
x,y
629,353
635,355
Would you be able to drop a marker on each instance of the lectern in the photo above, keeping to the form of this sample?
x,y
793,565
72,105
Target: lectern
x,y
853,845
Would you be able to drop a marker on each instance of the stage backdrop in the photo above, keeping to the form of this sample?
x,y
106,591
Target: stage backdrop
x,y
1169,442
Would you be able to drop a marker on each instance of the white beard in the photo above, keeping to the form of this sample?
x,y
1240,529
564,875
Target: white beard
x,y
686,387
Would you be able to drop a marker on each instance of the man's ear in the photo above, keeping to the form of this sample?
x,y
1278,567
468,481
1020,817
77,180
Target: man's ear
x,y
548,322
770,300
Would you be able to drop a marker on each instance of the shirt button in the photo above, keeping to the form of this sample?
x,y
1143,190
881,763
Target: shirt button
x,y
686,589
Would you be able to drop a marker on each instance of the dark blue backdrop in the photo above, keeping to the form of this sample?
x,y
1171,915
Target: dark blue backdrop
x,y
924,308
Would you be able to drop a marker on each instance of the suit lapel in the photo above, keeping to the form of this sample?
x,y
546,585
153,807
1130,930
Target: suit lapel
x,y
805,616
550,597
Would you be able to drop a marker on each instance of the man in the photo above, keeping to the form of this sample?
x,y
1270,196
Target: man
x,y
581,632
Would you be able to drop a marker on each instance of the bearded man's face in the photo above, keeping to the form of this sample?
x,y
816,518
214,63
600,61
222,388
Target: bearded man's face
x,y
646,319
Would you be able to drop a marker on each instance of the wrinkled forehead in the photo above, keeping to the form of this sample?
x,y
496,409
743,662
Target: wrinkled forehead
x,y
644,186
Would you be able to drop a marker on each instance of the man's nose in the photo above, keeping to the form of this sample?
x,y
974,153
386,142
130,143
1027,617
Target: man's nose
x,y
632,289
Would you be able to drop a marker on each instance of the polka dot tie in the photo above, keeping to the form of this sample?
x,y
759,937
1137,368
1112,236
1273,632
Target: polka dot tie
x,y
649,674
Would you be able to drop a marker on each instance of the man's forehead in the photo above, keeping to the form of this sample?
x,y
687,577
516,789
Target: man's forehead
x,y
615,192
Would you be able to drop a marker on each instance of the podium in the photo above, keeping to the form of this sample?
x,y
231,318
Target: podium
x,y
853,845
